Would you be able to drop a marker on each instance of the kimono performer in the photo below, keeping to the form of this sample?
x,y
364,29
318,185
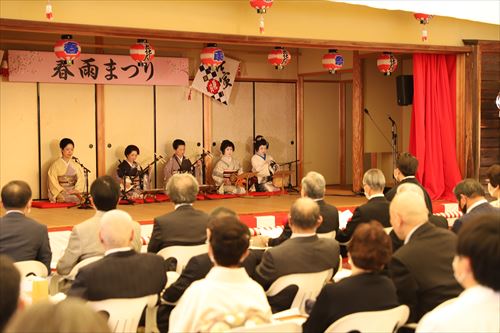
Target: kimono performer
x,y
179,163
264,165
128,174
225,168
65,176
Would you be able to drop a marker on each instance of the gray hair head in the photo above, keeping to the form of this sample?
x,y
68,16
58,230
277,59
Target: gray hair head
x,y
182,188
375,179
313,185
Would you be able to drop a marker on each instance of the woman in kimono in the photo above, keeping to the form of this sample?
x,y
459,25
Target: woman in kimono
x,y
226,169
264,165
129,174
179,163
65,176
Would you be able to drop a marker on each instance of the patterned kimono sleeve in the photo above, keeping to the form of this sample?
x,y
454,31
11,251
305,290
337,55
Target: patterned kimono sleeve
x,y
53,182
218,173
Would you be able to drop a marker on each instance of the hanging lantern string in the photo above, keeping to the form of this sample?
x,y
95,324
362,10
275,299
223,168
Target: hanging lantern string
x,y
261,24
48,11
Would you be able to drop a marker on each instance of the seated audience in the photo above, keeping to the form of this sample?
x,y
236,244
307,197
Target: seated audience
x,y
313,186
84,239
22,238
304,252
477,269
185,225
122,273
70,315
406,169
9,290
227,287
493,175
421,268
471,201
366,289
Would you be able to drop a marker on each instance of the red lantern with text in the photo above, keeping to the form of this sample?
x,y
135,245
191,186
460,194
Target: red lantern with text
x,y
387,63
67,49
332,61
142,52
424,20
212,55
261,6
279,58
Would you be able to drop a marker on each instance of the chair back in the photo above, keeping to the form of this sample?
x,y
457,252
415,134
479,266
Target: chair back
x,y
182,253
309,284
329,235
125,313
385,321
31,267
277,327
74,271
388,230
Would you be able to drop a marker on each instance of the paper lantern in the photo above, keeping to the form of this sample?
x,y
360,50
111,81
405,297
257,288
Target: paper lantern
x,y
279,58
424,20
261,6
48,11
212,55
67,49
387,63
142,52
332,61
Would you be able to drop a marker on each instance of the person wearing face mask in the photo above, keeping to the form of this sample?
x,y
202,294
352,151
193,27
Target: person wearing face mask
x,y
477,268
264,165
493,175
225,169
471,201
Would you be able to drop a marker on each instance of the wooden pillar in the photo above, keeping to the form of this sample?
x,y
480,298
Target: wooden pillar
x,y
300,127
100,120
207,135
342,133
461,114
357,123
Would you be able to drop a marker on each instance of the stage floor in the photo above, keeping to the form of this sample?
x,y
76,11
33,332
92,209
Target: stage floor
x,y
58,217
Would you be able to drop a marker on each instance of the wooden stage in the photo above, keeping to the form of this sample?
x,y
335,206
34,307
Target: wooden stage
x,y
57,217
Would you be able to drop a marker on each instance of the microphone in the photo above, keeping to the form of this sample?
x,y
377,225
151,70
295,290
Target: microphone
x,y
75,159
366,111
392,120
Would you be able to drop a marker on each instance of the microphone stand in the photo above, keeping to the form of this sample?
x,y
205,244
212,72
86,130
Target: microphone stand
x,y
204,154
290,187
86,204
394,144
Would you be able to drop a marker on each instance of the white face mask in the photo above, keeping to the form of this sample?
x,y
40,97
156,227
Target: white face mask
x,y
459,276
492,189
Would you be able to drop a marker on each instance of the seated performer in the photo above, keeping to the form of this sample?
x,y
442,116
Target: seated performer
x,y
179,163
226,169
65,177
130,172
264,165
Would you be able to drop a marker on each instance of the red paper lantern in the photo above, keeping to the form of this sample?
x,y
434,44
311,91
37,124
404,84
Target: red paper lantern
x,y
279,58
424,20
387,63
261,6
142,52
48,11
67,49
332,61
212,55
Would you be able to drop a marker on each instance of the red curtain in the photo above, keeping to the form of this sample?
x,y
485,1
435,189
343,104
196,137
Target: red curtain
x,y
433,123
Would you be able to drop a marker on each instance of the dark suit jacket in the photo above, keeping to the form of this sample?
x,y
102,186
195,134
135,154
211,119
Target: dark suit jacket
x,y
22,238
184,226
422,270
363,292
484,208
436,220
392,192
120,275
375,209
330,223
197,268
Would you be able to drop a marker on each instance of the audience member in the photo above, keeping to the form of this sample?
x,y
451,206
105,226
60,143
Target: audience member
x,y
421,268
406,169
304,252
22,238
366,289
185,225
477,269
70,315
84,239
493,175
313,186
122,273
9,290
227,287
471,201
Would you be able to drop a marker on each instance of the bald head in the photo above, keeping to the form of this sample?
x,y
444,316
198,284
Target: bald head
x,y
304,215
117,229
409,187
407,211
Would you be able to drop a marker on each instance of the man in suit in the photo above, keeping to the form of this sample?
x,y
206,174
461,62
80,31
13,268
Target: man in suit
x,y
185,225
304,252
84,239
313,186
122,273
406,169
22,238
422,268
471,201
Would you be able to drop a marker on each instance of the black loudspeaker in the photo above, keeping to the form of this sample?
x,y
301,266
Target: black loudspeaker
x,y
404,87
